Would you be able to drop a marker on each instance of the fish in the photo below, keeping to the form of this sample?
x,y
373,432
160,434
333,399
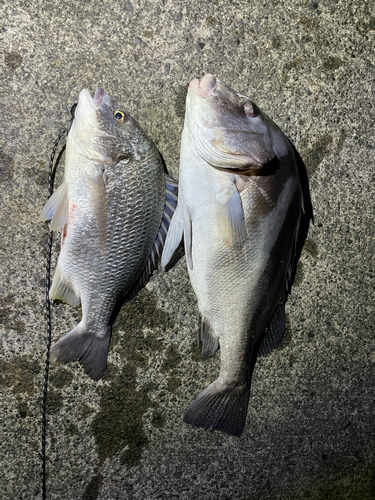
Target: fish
x,y
113,209
244,209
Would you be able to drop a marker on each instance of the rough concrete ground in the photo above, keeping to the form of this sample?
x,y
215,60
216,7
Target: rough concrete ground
x,y
310,432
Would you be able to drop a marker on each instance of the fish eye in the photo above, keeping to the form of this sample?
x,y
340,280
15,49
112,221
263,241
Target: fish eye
x,y
249,110
120,116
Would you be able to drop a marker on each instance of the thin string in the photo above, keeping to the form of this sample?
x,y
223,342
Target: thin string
x,y
51,176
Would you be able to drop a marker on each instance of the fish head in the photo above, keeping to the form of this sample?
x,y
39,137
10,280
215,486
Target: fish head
x,y
103,131
228,130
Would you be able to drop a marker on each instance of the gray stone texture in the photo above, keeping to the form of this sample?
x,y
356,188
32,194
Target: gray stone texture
x,y
310,431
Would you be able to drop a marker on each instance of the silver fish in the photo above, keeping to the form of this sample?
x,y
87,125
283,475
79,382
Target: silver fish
x,y
244,210
113,208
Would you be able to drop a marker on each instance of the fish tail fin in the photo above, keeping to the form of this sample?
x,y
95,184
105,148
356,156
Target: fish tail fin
x,y
220,409
88,348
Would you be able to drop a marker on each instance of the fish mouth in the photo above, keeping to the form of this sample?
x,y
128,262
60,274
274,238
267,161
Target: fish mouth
x,y
98,96
205,87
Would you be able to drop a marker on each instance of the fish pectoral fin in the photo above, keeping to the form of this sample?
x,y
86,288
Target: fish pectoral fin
x,y
231,221
221,409
175,231
275,332
57,208
210,343
88,347
98,199
62,291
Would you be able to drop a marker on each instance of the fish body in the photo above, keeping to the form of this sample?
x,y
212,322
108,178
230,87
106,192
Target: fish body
x,y
240,210
110,209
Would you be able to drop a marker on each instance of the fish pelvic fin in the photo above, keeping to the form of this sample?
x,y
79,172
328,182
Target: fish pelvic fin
x,y
210,343
220,409
57,208
275,332
90,349
60,290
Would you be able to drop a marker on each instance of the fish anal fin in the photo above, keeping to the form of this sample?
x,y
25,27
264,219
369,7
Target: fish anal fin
x,y
275,331
231,221
210,343
57,208
221,409
89,348
60,290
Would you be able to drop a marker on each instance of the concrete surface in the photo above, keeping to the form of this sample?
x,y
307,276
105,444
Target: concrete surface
x,y
310,432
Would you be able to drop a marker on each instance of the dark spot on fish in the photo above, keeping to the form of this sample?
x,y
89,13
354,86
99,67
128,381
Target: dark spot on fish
x,y
315,155
158,419
13,59
179,104
6,167
332,63
54,401
60,377
19,374
92,489
71,429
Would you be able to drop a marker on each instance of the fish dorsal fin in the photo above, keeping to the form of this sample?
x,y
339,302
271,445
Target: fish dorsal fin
x,y
98,199
231,220
57,208
171,193
275,331
62,291
210,343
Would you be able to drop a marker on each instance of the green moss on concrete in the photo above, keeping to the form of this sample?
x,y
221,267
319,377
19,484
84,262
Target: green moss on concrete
x,y
60,377
172,359
19,374
311,248
23,408
158,419
9,314
54,401
173,383
118,424
86,410
71,429
92,489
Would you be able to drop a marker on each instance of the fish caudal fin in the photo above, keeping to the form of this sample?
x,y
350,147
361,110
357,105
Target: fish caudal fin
x,y
220,409
89,349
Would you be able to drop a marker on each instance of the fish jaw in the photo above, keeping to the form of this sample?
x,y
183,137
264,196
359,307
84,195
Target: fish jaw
x,y
84,138
242,144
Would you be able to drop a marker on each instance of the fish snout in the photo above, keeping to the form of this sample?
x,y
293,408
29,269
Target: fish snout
x,y
98,97
204,86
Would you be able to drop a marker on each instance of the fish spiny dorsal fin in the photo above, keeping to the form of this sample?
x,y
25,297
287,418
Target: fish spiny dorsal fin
x,y
171,194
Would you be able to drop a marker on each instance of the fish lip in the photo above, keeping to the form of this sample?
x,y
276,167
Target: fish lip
x,y
98,96
203,88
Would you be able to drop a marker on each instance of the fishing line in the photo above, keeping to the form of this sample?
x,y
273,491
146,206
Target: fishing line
x,y
51,178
